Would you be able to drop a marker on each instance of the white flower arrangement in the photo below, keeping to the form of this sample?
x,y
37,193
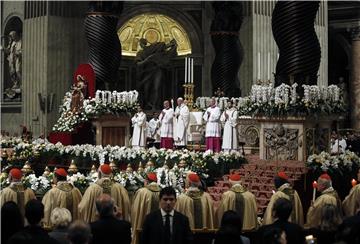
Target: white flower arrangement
x,y
105,102
39,185
342,163
284,100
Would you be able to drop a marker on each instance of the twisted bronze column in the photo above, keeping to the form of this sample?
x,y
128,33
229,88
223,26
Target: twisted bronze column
x,y
104,44
229,52
299,48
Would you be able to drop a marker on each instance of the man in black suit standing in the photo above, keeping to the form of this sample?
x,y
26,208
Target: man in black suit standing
x,y
166,226
109,229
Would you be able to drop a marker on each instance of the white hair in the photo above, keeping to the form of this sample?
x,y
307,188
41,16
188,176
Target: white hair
x,y
60,217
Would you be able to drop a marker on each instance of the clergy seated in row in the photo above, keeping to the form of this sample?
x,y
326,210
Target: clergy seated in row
x,y
196,204
146,200
181,123
240,200
351,204
166,126
104,185
284,190
328,196
63,195
213,127
230,119
16,191
139,132
282,210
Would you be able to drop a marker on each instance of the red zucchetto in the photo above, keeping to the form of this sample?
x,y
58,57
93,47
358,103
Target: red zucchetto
x,y
16,173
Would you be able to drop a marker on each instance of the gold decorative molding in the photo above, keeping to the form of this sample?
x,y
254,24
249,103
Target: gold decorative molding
x,y
154,28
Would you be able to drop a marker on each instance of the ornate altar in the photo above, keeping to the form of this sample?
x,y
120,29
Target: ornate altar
x,y
112,130
282,138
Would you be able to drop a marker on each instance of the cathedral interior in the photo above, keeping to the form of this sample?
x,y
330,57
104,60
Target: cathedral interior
x,y
231,45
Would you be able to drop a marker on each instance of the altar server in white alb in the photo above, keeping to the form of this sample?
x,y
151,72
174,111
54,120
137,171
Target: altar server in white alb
x,y
230,118
166,118
213,127
181,123
139,132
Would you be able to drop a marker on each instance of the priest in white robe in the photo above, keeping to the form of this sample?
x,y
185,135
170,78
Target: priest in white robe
x,y
139,132
230,119
181,123
213,127
166,118
153,131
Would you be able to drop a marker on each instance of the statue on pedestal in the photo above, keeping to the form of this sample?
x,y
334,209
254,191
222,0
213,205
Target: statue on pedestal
x,y
13,52
151,60
78,94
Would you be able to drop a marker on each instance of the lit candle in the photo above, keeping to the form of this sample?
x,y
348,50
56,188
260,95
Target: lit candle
x,y
192,71
353,182
186,70
314,185
268,65
258,75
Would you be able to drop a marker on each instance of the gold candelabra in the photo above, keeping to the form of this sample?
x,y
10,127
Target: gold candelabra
x,y
189,94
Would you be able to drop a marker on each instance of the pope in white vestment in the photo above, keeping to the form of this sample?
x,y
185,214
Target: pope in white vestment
x,y
230,118
213,127
166,118
139,132
181,123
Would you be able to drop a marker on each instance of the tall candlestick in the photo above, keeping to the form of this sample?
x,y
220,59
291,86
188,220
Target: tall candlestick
x,y
192,71
314,185
258,74
189,70
186,70
268,63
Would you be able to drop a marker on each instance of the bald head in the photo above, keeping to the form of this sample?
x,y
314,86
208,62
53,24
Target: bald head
x,y
105,205
323,184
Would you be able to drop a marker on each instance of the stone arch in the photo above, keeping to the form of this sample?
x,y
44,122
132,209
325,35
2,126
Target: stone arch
x,y
185,20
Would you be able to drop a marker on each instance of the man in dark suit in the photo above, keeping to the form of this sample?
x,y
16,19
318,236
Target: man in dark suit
x,y
109,229
281,210
166,226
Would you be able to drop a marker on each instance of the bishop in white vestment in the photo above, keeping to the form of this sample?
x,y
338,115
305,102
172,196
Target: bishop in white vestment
x,y
139,132
213,127
166,118
230,118
181,123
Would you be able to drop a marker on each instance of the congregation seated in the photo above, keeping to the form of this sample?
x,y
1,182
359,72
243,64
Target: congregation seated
x,y
281,211
329,222
79,233
60,219
108,228
14,220
230,229
33,233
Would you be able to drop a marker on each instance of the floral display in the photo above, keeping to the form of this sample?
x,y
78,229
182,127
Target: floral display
x,y
105,102
343,164
284,100
40,185
203,163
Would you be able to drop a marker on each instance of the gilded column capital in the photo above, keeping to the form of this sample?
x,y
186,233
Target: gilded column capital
x,y
355,33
